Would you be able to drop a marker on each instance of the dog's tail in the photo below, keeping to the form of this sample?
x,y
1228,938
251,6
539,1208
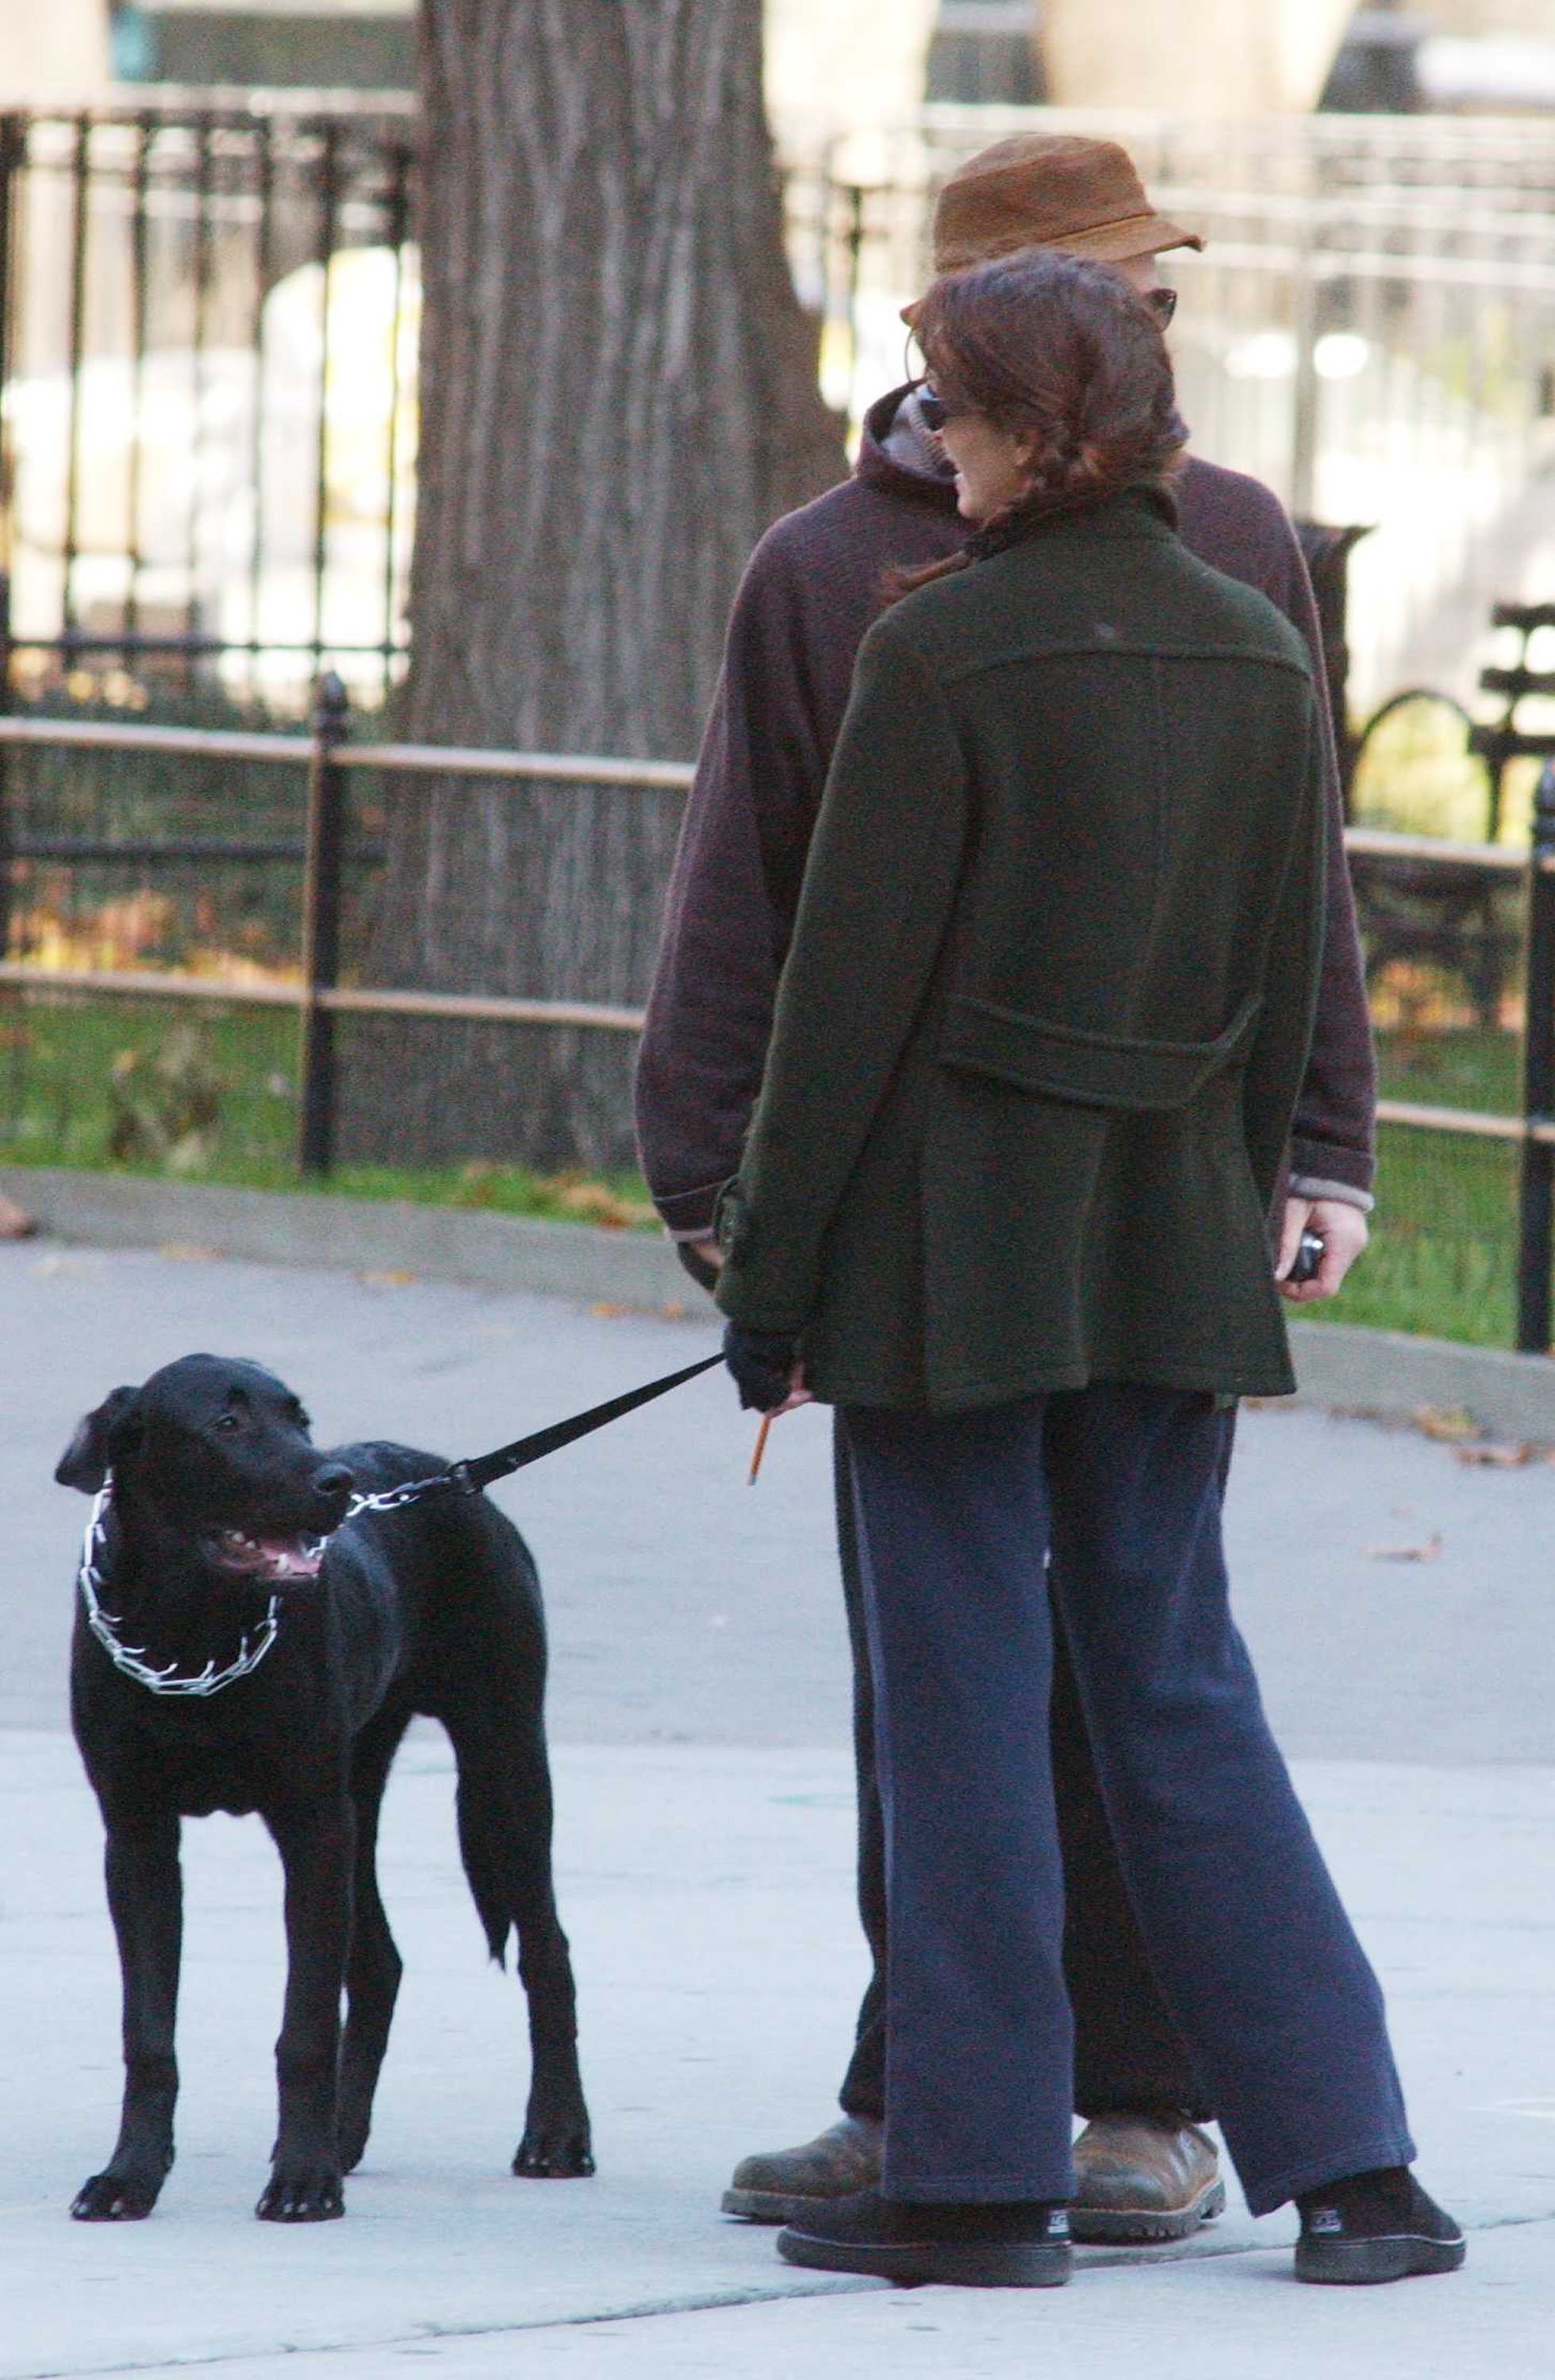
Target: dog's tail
x,y
505,1816
485,1657
484,1851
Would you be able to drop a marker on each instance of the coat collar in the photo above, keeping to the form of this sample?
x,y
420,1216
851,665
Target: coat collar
x,y
898,462
1138,512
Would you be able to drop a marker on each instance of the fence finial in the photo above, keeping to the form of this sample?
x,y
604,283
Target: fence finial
x,y
332,708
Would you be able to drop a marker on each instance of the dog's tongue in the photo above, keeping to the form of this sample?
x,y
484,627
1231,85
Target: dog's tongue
x,y
291,1556
273,1557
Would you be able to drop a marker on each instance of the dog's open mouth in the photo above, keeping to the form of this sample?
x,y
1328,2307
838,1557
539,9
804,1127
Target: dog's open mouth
x,y
268,1558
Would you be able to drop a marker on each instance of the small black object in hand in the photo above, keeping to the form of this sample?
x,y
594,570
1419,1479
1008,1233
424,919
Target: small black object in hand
x,y
762,1364
1308,1256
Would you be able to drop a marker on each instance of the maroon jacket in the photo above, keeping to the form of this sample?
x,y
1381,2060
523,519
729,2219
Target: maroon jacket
x,y
810,591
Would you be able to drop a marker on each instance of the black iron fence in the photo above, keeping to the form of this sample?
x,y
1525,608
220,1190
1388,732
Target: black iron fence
x,y
208,320
240,874
234,878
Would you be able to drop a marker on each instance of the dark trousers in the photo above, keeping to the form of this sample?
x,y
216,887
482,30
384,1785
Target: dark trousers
x,y
1129,2056
1253,1955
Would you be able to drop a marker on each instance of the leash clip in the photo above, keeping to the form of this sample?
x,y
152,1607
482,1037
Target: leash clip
x,y
459,1477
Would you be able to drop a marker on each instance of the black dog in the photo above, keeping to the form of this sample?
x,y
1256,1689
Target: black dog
x,y
271,1653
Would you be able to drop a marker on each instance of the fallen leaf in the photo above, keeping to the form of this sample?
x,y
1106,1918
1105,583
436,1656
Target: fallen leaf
x,y
1496,1455
593,1203
1427,1551
1446,1422
15,1224
605,1312
189,1252
390,1276
673,1312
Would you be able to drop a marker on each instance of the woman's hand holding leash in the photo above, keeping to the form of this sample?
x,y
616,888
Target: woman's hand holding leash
x,y
767,1371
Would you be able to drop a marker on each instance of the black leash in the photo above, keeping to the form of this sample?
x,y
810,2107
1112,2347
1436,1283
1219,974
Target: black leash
x,y
469,1478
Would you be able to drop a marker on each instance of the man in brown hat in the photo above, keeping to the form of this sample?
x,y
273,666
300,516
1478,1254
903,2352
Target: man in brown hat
x,y
1146,2169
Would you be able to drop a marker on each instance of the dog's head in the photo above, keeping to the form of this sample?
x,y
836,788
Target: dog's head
x,y
219,1451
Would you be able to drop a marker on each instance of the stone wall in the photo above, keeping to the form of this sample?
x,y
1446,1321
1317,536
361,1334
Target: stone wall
x,y
1532,20
1192,57
54,48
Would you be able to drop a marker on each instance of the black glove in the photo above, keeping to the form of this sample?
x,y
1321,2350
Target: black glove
x,y
762,1363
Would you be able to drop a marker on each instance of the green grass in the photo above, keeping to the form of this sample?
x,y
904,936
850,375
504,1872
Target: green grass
x,y
1443,1253
57,1062
1464,1068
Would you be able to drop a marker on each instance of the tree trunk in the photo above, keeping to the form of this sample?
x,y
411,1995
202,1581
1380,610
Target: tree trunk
x,y
618,394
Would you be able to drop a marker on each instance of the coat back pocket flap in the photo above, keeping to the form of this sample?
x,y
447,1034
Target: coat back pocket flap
x,y
1101,1070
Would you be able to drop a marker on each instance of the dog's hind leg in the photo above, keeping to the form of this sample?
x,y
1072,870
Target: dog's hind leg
x,y
504,1834
375,1966
145,1898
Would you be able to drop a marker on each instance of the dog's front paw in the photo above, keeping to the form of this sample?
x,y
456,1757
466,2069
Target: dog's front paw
x,y
302,2189
116,2197
555,2150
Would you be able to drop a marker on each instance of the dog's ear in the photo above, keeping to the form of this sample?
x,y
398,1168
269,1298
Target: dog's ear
x,y
98,1443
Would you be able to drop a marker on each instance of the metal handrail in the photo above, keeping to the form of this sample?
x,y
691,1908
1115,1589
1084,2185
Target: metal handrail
x,y
460,760
562,768
115,735
343,999
1478,1122
1382,843
296,751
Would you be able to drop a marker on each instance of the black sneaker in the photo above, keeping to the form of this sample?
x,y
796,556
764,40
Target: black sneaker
x,y
1375,2227
1004,2244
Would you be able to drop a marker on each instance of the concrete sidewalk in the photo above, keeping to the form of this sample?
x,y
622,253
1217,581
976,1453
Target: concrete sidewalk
x,y
1398,1606
708,1894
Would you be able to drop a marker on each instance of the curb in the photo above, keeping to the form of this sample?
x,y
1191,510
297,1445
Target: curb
x,y
1392,1374
279,1227
1338,1365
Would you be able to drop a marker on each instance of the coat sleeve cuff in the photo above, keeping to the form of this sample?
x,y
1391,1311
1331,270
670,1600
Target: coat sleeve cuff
x,y
1332,1161
688,1214
1341,1193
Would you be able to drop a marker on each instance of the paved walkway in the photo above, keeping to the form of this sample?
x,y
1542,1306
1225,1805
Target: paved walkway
x,y
704,1858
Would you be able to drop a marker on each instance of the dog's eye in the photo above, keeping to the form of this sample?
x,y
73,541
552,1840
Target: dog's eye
x,y
227,1421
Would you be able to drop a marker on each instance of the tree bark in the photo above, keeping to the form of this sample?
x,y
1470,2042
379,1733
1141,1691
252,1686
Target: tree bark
x,y
618,394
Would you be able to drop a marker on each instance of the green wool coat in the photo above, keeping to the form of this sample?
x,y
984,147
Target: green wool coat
x,y
1046,1008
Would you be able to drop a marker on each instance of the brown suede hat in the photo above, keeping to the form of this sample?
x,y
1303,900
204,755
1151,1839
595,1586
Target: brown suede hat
x,y
1048,189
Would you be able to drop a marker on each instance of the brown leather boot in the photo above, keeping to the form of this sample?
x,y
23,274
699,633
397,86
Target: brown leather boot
x,y
1144,2177
783,2185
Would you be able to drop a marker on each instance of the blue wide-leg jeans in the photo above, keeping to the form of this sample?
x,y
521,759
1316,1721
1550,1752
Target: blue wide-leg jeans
x,y
1252,1951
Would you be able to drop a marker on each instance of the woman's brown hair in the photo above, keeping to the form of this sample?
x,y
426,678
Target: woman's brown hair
x,y
1065,352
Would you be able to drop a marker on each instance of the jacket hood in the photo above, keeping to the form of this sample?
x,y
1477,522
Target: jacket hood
x,y
898,466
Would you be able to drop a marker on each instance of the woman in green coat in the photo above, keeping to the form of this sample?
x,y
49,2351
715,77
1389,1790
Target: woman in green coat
x,y
1036,1050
